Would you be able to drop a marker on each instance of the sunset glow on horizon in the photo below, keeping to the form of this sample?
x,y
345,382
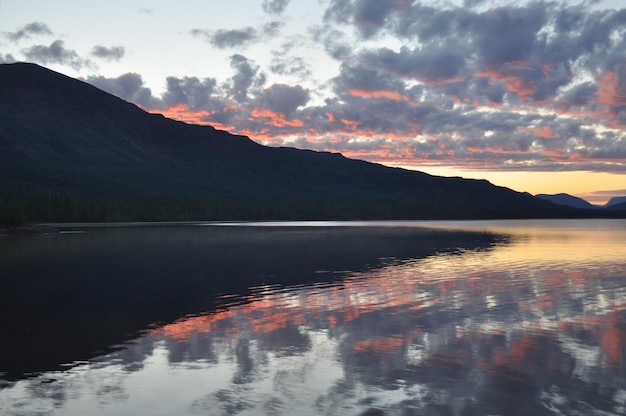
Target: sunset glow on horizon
x,y
531,95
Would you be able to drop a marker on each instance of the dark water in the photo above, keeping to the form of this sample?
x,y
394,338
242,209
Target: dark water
x,y
371,318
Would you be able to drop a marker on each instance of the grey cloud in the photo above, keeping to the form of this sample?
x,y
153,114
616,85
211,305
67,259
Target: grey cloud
x,y
223,38
339,11
421,63
428,23
548,82
272,28
192,91
246,76
501,34
291,66
29,30
472,3
508,53
7,59
114,53
285,63
509,34
592,30
56,53
370,15
275,6
233,38
578,95
129,87
284,99
539,31
335,42
360,78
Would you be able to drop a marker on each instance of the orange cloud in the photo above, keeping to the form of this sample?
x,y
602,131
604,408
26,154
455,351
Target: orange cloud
x,y
183,113
608,100
350,124
380,344
606,103
544,132
390,95
513,83
609,91
276,119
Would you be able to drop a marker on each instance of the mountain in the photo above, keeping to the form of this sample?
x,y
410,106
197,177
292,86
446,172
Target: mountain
x,y
615,201
71,152
617,207
568,200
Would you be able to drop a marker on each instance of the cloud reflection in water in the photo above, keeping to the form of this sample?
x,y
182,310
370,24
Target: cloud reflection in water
x,y
506,331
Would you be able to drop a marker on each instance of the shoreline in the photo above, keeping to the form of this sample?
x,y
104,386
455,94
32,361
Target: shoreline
x,y
60,228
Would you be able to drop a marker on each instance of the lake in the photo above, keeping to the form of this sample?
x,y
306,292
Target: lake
x,y
316,318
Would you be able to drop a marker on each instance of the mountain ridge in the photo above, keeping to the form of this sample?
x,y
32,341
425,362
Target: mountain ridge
x,y
71,152
568,200
616,200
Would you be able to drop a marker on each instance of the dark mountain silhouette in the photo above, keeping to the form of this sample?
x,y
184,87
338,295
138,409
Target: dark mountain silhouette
x,y
615,201
71,152
568,200
619,207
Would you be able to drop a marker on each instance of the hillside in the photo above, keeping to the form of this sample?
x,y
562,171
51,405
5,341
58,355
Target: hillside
x,y
616,201
71,152
568,200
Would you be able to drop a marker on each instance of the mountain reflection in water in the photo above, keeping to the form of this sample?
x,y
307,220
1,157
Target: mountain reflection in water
x,y
535,325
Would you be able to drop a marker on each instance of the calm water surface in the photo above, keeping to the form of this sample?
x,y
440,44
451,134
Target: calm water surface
x,y
317,319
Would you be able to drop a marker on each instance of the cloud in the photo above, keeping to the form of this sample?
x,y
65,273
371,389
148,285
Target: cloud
x,y
285,62
335,42
55,53
472,3
339,11
274,6
7,59
604,195
28,31
191,91
292,65
532,86
283,99
238,38
246,76
359,78
432,64
223,38
272,29
508,34
370,15
129,86
114,53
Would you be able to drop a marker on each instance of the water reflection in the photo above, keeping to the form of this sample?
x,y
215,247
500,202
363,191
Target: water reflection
x,y
506,331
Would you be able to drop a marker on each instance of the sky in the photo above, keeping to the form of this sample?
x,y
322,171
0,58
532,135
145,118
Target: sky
x,y
529,95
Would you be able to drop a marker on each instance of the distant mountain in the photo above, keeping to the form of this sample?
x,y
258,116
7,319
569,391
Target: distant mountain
x,y
567,200
71,152
617,207
616,200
